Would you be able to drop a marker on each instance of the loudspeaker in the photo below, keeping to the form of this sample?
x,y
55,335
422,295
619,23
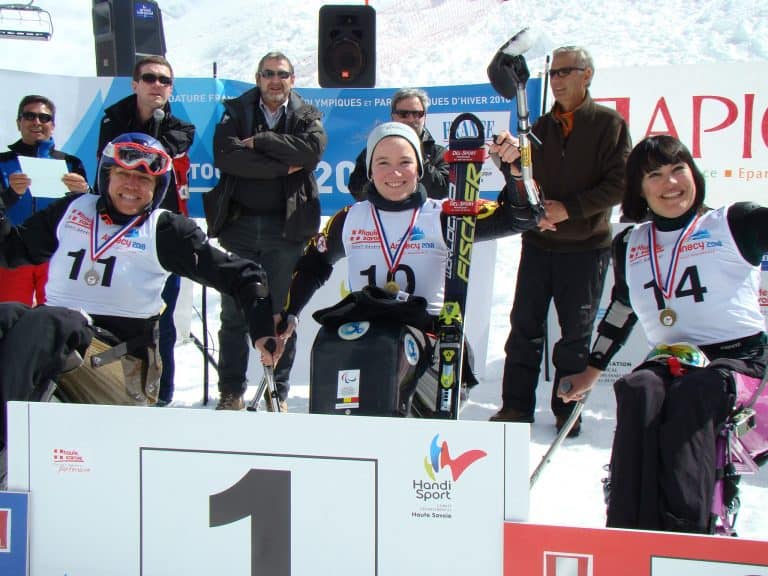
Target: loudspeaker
x,y
124,32
347,47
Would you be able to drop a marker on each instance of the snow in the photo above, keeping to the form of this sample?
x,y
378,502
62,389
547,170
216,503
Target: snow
x,y
456,38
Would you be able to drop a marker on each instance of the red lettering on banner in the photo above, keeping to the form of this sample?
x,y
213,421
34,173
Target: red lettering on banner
x,y
5,530
749,104
663,109
764,129
698,101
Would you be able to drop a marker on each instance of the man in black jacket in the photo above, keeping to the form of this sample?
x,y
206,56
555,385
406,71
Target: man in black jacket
x,y
265,206
147,110
409,106
36,120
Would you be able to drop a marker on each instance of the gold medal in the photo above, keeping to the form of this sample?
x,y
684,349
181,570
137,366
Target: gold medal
x,y
392,288
668,317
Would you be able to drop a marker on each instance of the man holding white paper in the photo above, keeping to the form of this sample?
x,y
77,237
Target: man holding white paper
x,y
26,187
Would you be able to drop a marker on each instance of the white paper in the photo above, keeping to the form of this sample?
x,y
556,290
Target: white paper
x,y
46,175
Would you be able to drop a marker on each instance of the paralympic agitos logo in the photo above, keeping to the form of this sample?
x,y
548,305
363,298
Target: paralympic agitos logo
x,y
438,459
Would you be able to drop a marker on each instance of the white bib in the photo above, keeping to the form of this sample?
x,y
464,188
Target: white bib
x,y
713,292
421,268
126,280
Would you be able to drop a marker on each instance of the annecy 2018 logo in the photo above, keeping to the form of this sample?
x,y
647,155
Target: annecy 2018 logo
x,y
438,459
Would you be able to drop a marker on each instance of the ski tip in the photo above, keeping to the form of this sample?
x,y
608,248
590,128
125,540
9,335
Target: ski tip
x,y
520,43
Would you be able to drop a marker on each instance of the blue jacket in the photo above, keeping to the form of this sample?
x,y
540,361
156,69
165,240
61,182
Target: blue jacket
x,y
19,208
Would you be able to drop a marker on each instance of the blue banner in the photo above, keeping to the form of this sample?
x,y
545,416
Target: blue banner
x,y
14,532
348,117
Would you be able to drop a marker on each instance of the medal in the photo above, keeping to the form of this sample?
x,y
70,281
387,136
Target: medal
x,y
92,277
668,317
392,258
392,288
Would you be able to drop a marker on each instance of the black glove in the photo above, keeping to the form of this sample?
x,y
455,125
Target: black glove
x,y
507,72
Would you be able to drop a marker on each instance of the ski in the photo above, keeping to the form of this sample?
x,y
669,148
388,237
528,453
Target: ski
x,y
466,154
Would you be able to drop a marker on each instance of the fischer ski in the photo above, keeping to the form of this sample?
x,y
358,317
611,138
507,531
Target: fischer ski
x,y
466,154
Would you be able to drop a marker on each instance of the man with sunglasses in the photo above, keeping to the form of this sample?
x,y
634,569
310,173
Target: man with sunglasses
x,y
147,110
36,120
265,206
409,106
110,255
580,169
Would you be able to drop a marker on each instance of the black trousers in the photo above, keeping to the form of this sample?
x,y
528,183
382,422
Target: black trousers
x,y
663,460
574,281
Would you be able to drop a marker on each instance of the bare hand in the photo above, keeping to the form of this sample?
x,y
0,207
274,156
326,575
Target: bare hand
x,y
580,385
74,182
19,182
555,211
505,148
546,225
271,349
285,327
244,142
292,169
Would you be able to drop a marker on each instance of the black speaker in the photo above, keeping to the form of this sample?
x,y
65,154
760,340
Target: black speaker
x,y
347,47
126,31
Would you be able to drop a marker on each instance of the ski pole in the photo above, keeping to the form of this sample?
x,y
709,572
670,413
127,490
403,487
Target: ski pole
x,y
565,386
268,382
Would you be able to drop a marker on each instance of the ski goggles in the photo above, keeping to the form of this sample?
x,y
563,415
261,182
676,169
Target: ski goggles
x,y
687,354
131,155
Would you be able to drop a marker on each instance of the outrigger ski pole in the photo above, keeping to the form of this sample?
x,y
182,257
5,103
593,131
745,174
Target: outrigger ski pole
x,y
268,383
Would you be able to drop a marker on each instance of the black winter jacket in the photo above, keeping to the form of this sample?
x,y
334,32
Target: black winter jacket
x,y
264,168
174,134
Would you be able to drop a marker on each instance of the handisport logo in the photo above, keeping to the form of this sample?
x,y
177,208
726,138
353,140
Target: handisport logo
x,y
439,491
439,457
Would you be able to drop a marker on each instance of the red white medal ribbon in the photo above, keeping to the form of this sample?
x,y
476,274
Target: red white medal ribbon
x,y
393,259
667,286
96,250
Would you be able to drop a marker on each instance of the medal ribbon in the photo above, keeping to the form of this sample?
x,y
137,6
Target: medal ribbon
x,y
96,250
666,287
393,259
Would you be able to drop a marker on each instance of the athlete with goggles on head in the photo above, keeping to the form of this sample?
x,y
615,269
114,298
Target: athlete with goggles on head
x,y
691,275
110,255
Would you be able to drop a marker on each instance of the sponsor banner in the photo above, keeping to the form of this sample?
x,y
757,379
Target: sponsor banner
x,y
348,117
560,551
265,488
725,124
14,527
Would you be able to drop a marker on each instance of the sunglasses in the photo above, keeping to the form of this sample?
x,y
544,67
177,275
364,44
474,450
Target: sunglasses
x,y
412,113
564,71
688,354
282,74
32,116
130,155
150,78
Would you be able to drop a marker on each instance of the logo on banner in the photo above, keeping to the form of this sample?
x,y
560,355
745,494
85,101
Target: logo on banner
x,y
436,492
5,530
69,461
567,564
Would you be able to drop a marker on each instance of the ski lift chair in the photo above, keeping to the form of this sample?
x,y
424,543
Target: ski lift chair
x,y
742,447
25,22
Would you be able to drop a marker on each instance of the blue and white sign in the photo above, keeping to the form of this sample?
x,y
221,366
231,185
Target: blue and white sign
x,y
13,533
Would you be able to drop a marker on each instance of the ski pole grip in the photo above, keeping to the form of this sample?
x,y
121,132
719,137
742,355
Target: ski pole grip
x,y
565,386
270,345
